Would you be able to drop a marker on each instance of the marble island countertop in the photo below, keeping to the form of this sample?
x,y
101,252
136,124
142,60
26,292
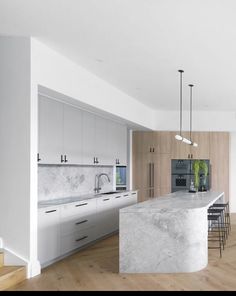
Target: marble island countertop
x,y
180,200
168,234
65,200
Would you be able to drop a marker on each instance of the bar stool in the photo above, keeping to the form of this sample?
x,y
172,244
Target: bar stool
x,y
225,207
214,226
223,227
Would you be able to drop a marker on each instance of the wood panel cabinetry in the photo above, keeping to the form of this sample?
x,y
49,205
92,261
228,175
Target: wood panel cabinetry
x,y
203,149
151,163
211,145
219,159
179,150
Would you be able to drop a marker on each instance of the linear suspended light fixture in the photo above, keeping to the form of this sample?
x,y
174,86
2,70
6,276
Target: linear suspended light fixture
x,y
179,136
191,112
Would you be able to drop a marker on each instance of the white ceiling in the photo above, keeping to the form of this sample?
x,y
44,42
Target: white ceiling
x,y
139,45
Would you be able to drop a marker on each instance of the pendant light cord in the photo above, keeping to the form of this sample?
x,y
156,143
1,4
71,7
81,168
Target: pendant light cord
x,y
181,100
191,109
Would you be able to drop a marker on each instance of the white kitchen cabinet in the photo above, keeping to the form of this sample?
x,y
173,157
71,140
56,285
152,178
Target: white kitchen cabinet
x,y
76,240
121,144
101,141
64,228
88,138
68,135
117,143
48,234
106,216
50,131
73,135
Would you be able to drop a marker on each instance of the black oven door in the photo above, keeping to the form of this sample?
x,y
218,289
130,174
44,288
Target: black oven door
x,y
180,182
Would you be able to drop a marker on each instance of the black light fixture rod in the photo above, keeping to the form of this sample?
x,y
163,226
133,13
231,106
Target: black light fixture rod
x,y
181,99
191,109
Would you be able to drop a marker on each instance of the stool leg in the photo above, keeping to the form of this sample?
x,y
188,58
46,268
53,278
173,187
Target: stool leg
x,y
219,238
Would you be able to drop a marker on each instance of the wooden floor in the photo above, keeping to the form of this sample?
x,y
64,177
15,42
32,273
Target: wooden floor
x,y
96,268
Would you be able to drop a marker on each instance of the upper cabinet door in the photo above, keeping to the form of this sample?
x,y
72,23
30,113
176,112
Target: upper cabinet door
x,y
112,148
73,134
121,144
203,149
50,131
180,150
101,141
88,138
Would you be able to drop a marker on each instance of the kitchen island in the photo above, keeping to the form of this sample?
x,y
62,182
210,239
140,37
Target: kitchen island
x,y
167,234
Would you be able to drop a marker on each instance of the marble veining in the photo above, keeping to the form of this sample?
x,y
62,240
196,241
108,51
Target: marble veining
x,y
57,181
166,234
177,200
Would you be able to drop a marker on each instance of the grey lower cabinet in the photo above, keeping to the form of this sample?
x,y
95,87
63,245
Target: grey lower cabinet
x,y
67,227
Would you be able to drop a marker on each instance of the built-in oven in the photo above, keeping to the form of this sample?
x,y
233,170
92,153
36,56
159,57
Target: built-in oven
x,y
180,166
180,182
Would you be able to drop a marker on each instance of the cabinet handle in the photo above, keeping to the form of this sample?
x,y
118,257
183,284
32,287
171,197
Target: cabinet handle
x,y
150,149
133,193
118,197
153,150
38,158
81,205
106,199
97,160
126,195
62,160
65,158
48,212
82,238
84,221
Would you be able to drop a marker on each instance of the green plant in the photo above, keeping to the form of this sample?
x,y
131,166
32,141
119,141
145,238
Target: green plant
x,y
203,166
196,168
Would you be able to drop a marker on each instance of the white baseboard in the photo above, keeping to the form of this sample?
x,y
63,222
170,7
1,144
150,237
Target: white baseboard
x,y
12,259
33,269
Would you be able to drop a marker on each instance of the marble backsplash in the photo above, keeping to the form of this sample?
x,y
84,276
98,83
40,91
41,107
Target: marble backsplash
x,y
57,181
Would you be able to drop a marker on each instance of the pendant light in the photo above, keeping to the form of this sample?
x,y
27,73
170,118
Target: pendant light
x,y
179,136
191,112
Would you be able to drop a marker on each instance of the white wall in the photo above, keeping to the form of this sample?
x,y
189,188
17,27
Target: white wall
x,y
232,173
15,144
202,120
58,73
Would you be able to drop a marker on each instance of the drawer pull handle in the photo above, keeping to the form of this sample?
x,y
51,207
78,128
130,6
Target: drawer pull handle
x,y
84,221
82,238
126,195
118,196
47,212
105,199
133,193
84,204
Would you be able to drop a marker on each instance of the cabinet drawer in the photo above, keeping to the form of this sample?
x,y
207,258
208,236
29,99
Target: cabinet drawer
x,y
79,208
76,240
131,198
105,203
77,223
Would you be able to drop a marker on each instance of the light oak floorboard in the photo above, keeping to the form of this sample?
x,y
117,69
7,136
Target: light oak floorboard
x,y
96,269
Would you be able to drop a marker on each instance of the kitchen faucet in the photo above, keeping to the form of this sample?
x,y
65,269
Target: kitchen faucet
x,y
97,181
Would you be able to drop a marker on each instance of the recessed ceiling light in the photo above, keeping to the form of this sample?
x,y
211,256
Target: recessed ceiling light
x,y
99,60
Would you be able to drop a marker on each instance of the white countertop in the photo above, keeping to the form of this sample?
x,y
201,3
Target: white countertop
x,y
176,201
66,200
